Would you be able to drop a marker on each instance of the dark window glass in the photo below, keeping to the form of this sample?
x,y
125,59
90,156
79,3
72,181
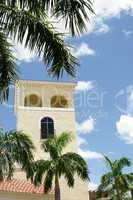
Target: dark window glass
x,y
47,128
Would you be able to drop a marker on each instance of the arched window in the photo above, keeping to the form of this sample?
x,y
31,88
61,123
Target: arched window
x,y
33,100
59,101
47,127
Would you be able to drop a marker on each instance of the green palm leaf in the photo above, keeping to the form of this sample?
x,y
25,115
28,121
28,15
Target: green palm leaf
x,y
62,141
48,180
59,164
77,164
123,162
55,145
40,36
15,147
27,22
41,167
74,13
8,71
115,183
33,6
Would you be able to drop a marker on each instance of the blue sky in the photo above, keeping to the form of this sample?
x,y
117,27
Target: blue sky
x,y
105,81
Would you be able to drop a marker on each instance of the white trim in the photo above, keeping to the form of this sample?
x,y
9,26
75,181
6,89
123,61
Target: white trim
x,y
47,82
46,109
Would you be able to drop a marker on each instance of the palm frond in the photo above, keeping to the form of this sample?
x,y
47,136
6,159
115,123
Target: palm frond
x,y
107,179
6,161
77,164
8,71
123,162
66,169
103,191
48,180
63,140
123,183
108,162
55,145
115,183
21,149
40,36
33,6
49,146
129,177
14,147
70,178
67,165
41,167
74,13
106,185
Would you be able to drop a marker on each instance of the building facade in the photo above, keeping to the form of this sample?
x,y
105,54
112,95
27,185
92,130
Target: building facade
x,y
44,108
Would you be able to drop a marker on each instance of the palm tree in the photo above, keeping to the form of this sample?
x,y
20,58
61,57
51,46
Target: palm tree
x,y
15,147
58,165
132,193
27,22
115,183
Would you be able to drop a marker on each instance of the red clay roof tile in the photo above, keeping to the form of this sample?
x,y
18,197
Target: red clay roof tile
x,y
21,186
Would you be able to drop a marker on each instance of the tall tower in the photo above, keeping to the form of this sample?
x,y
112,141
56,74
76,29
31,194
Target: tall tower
x,y
44,109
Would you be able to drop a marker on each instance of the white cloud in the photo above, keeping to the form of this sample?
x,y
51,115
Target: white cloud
x,y
22,53
85,85
81,140
89,154
112,8
87,126
130,101
103,28
106,10
127,32
92,186
84,50
125,128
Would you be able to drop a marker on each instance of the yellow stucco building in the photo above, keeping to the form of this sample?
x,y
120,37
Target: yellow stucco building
x,y
44,108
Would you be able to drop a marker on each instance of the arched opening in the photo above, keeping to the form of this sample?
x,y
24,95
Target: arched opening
x,y
33,100
47,127
59,101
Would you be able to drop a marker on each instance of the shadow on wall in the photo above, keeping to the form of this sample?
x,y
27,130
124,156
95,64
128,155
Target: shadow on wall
x,y
92,196
57,101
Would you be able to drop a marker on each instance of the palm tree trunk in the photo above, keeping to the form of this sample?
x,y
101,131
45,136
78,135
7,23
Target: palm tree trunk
x,y
1,175
117,191
118,195
57,188
132,194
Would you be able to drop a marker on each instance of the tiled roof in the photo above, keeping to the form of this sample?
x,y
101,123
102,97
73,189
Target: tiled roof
x,y
21,186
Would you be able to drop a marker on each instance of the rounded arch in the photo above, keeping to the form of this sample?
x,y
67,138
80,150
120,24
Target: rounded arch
x,y
32,100
47,127
59,101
